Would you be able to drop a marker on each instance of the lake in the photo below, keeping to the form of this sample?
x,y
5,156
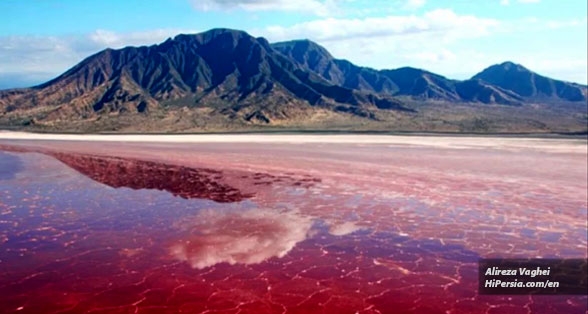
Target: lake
x,y
283,223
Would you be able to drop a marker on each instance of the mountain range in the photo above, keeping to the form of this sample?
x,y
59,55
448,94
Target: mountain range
x,y
223,80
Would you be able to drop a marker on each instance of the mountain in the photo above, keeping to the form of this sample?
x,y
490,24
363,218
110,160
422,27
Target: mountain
x,y
229,72
226,79
315,58
506,83
530,85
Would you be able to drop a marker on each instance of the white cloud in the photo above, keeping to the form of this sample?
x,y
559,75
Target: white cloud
x,y
316,7
440,23
441,55
558,68
554,24
105,38
437,41
248,237
507,2
441,41
392,41
414,4
28,60
468,62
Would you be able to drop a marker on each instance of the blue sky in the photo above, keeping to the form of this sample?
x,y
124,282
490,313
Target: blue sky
x,y
39,39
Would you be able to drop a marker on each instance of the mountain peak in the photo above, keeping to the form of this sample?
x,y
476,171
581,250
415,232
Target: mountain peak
x,y
301,47
515,77
510,66
235,76
502,68
228,77
315,58
409,71
211,35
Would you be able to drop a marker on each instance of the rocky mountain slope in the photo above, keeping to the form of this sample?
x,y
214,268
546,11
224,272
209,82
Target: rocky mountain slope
x,y
524,82
226,79
507,83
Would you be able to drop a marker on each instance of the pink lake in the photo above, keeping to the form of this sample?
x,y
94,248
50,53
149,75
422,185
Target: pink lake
x,y
284,224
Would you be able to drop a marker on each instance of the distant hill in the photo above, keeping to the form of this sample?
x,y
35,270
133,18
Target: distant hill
x,y
226,79
528,84
315,58
506,84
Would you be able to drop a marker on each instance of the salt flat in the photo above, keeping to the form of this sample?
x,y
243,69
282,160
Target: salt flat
x,y
307,223
547,144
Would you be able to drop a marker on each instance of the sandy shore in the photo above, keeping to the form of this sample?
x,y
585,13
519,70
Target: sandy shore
x,y
553,145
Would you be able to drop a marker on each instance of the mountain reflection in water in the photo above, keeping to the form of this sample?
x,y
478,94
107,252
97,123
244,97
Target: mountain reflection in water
x,y
139,174
378,238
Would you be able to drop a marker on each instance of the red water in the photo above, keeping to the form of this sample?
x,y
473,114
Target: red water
x,y
310,229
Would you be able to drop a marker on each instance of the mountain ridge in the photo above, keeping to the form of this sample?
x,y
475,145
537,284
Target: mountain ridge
x,y
225,79
515,77
409,81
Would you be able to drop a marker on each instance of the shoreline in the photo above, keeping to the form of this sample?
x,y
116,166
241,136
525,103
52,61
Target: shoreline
x,y
555,135
566,145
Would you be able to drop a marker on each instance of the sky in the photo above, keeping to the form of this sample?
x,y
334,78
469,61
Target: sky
x,y
40,39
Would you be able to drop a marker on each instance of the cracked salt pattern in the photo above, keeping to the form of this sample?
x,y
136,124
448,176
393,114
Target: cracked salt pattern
x,y
343,229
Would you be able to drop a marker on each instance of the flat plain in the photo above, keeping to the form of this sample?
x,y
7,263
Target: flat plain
x,y
282,223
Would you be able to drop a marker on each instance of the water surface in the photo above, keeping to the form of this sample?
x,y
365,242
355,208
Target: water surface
x,y
241,229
